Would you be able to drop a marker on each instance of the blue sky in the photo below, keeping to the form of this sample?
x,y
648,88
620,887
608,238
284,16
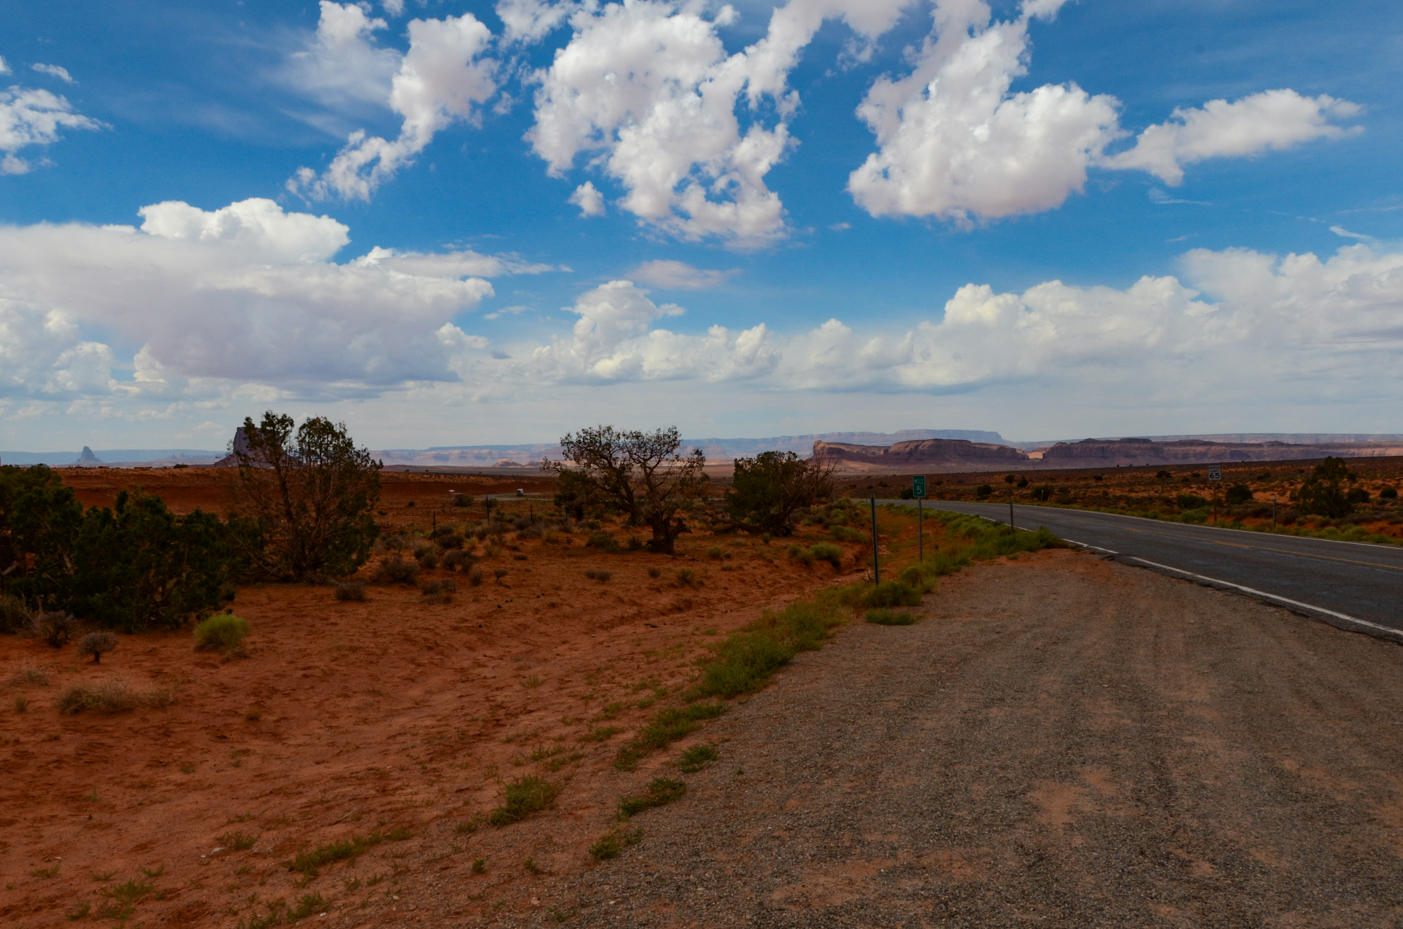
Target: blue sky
x,y
468,223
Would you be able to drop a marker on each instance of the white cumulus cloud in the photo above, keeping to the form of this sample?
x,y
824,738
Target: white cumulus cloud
x,y
1271,120
57,71
678,275
247,294
442,78
341,66
588,198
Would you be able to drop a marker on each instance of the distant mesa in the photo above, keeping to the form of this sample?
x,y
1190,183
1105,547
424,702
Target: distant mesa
x,y
939,454
1093,453
87,459
240,444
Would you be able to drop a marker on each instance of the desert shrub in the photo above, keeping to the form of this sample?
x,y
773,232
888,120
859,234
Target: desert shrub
x,y
686,577
221,632
826,551
97,644
14,615
522,797
390,543
844,534
396,570
890,594
438,591
1357,495
456,559
661,791
1238,494
768,491
696,758
449,542
55,627
462,500
475,577
714,553
1190,502
597,575
311,861
498,574
111,696
1163,475
885,617
312,494
350,590
655,572
983,490
1321,493
602,541
29,673
39,518
1041,494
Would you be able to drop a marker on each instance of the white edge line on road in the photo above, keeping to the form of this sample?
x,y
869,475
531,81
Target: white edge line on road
x,y
1249,590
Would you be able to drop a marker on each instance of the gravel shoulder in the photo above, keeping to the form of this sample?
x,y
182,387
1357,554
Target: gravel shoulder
x,y
1062,742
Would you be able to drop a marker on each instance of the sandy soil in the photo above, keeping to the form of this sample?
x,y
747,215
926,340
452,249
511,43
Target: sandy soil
x,y
350,718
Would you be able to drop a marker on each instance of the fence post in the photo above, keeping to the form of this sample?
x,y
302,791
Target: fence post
x,y
876,567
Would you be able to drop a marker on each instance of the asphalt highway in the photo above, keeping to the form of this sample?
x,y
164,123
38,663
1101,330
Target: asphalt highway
x,y
1353,585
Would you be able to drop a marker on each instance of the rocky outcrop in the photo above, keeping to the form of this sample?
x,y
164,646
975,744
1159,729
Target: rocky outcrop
x,y
87,459
1095,453
930,454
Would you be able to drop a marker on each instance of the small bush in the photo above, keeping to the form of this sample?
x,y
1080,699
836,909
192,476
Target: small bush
x,y
747,658
457,558
696,758
14,616
222,631
311,861
238,841
844,534
714,553
395,570
983,490
31,674
597,575
475,577
885,617
111,696
1191,502
438,591
97,644
462,501
498,574
525,795
427,556
613,844
602,541
826,551
1238,494
890,594
1388,493
1041,494
663,729
55,627
350,590
686,577
660,793
655,572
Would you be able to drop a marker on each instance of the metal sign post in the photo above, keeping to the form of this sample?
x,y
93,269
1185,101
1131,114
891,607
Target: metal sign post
x,y
1215,473
918,490
876,568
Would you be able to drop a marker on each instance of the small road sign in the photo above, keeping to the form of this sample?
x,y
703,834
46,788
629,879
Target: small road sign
x,y
1215,472
918,486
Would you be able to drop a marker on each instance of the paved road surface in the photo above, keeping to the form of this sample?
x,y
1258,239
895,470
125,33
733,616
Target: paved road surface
x,y
1353,585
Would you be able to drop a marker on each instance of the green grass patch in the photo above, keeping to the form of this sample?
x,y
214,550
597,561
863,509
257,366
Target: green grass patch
x,y
522,797
666,727
659,793
745,659
885,617
696,758
613,844
310,861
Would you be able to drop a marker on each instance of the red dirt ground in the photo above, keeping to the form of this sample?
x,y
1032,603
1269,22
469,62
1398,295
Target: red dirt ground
x,y
347,718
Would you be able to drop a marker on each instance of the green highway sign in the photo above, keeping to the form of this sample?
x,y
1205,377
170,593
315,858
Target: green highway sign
x,y
918,486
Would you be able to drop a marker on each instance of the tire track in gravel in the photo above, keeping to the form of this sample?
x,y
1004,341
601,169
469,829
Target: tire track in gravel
x,y
1064,742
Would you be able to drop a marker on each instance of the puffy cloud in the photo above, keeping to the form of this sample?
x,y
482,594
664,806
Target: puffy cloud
x,y
613,341
57,71
1274,119
648,84
442,78
43,355
34,117
588,198
245,294
678,275
4,68
341,65
532,20
953,142
394,7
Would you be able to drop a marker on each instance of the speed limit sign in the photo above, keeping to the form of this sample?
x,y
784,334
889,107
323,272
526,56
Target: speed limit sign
x,y
1215,472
